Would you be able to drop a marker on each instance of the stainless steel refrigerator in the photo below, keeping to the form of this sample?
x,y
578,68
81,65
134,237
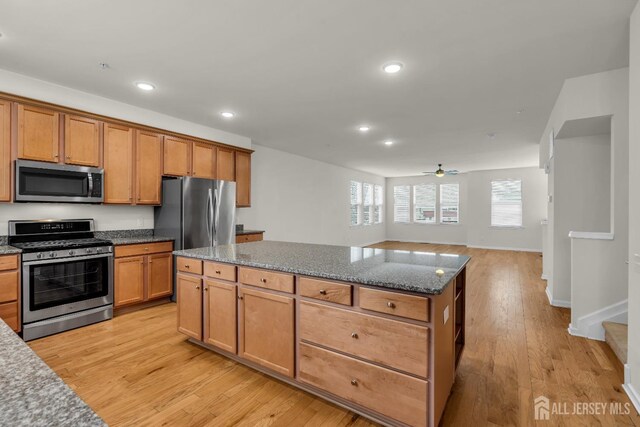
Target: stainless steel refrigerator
x,y
197,212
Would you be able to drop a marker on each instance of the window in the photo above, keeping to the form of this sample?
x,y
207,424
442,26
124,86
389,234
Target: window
x,y
424,203
356,203
449,204
401,203
378,203
506,203
368,203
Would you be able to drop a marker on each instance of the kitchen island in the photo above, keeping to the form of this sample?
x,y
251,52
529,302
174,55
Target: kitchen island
x,y
379,332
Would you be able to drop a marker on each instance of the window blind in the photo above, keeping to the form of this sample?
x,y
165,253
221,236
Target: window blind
x,y
401,203
378,203
368,203
449,203
506,203
424,203
356,203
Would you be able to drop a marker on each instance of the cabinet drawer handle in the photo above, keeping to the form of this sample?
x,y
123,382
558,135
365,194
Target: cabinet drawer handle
x,y
391,305
354,335
68,157
146,249
187,267
354,382
218,272
323,292
263,280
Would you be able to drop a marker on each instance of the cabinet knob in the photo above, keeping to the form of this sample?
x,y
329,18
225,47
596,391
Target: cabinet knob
x,y
263,280
391,305
206,289
323,292
187,267
68,157
197,287
146,249
240,297
218,272
354,382
354,335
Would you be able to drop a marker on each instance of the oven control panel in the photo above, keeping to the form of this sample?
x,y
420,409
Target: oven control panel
x,y
69,253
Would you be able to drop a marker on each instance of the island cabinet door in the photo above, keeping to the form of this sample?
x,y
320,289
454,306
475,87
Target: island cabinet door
x,y
267,330
129,280
189,305
220,315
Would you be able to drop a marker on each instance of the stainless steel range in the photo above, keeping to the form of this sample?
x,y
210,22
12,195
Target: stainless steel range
x,y
67,275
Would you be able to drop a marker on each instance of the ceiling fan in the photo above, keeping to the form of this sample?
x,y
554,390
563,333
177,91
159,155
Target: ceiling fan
x,y
440,172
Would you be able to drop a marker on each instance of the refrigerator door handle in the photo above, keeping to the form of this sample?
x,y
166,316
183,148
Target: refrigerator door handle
x,y
209,214
216,219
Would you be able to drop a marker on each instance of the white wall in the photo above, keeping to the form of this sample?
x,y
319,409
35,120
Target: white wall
x,y
298,199
475,212
17,84
633,380
107,217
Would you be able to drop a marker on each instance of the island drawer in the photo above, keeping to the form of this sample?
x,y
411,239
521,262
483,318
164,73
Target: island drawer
x,y
220,271
389,393
8,286
397,344
143,249
339,293
266,279
9,313
189,265
9,262
409,306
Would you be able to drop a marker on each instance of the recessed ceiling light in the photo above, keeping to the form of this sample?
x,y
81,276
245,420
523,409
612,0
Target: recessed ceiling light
x,y
104,66
392,67
520,111
145,86
227,114
388,142
364,128
491,135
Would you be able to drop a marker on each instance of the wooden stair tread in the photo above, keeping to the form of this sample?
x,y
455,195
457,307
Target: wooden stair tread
x,y
615,334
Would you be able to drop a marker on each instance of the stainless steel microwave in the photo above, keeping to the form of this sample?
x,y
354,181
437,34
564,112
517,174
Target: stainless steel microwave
x,y
50,182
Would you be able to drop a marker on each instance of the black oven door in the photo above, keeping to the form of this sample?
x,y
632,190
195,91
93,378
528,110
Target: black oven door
x,y
62,286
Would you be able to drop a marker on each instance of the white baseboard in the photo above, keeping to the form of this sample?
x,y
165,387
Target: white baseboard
x,y
431,242
544,277
627,373
590,325
557,302
504,248
633,394
372,243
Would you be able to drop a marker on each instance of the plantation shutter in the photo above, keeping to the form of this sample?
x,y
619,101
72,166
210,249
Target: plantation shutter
x,y
356,203
401,203
449,203
424,203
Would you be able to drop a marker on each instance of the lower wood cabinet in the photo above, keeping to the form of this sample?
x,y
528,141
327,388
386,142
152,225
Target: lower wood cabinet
x,y
189,290
220,315
246,238
267,330
10,291
142,275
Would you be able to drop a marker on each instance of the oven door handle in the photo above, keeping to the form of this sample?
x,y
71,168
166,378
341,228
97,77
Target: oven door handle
x,y
66,259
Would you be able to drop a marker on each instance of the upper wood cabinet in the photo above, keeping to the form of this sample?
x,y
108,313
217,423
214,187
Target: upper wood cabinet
x,y
226,164
5,151
204,160
189,305
118,164
148,168
38,133
81,141
243,179
267,330
177,156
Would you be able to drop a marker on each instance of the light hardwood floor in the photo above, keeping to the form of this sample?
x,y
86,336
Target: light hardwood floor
x,y
137,370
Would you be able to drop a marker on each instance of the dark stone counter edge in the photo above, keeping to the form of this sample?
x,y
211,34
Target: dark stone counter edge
x,y
349,279
243,232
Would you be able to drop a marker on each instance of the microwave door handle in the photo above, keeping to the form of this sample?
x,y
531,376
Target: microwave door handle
x,y
90,176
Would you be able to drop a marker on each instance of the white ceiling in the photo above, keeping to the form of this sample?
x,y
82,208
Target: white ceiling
x,y
302,75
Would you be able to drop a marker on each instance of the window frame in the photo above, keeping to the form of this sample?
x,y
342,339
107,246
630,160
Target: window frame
x,y
491,224
380,205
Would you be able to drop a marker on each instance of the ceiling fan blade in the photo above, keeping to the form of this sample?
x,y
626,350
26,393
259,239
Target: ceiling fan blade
x,y
429,173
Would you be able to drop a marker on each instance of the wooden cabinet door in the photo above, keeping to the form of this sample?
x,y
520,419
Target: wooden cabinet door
x,y
220,314
81,141
226,164
189,305
177,156
243,179
204,160
267,330
38,133
5,151
118,164
148,168
129,280
159,275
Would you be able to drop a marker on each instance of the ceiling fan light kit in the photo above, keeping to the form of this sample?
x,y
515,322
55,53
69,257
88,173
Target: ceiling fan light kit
x,y
441,172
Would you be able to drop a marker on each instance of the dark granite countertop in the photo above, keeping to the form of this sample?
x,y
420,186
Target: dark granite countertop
x,y
130,237
31,394
242,232
422,272
8,250
139,239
